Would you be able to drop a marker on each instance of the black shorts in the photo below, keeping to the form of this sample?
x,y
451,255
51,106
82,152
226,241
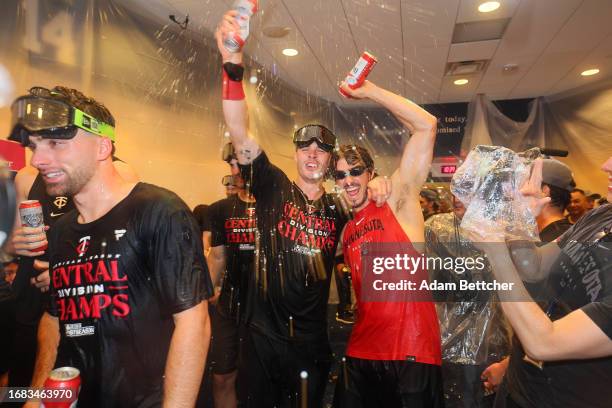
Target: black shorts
x,y
269,371
388,384
224,343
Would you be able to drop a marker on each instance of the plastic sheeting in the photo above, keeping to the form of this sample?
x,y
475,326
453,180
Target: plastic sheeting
x,y
488,183
473,330
471,322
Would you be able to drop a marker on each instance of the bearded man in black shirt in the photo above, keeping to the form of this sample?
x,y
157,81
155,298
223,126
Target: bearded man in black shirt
x,y
128,277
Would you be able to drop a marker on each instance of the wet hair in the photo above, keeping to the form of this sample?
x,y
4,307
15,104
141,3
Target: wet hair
x,y
354,155
559,197
88,105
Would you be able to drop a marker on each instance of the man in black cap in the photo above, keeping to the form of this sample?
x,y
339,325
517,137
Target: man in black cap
x,y
557,183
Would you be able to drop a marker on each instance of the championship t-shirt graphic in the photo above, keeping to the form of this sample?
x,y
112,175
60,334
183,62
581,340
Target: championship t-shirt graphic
x,y
115,284
311,231
234,225
296,243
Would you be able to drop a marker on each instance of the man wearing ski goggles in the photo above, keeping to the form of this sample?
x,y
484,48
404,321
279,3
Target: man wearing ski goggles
x,y
324,137
47,113
233,184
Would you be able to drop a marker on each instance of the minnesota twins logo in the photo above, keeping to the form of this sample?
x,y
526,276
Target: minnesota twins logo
x,y
60,201
83,245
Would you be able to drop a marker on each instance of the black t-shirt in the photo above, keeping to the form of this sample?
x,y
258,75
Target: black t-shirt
x,y
580,278
115,284
202,215
297,240
30,301
234,225
554,230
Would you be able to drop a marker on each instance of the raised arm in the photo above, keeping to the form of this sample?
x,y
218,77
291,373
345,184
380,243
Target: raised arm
x,y
416,158
418,152
235,108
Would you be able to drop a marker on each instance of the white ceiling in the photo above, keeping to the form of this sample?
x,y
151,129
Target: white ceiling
x,y
551,41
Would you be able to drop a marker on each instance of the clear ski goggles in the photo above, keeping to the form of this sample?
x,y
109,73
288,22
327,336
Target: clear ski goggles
x,y
41,114
324,137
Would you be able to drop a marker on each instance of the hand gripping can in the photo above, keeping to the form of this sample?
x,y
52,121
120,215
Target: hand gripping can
x,y
360,72
31,215
245,9
67,381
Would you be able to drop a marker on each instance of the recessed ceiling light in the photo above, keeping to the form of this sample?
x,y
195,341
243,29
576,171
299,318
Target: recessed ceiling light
x,y
590,72
488,6
290,52
462,81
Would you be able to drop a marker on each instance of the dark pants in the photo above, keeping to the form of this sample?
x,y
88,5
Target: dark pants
x,y
23,355
269,371
388,384
463,387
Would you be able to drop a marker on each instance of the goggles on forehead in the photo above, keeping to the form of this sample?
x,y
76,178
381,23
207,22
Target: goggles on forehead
x,y
324,137
41,114
228,154
354,172
230,180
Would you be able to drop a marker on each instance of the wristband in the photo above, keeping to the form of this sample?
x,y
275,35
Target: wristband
x,y
232,82
234,71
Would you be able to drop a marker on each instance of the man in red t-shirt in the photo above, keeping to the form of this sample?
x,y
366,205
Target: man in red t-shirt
x,y
393,356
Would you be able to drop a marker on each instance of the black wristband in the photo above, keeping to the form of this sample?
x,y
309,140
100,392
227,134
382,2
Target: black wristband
x,y
235,72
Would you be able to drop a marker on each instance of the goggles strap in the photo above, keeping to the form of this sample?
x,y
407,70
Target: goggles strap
x,y
232,82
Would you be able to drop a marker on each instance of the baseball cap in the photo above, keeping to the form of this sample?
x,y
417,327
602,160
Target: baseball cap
x,y
557,174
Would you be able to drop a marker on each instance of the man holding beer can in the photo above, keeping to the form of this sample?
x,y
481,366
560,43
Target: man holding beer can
x,y
128,277
299,225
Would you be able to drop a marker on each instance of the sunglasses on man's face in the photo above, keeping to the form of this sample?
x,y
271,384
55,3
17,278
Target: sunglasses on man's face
x,y
354,172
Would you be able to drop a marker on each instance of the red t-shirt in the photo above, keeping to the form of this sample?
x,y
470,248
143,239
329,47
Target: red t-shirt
x,y
387,330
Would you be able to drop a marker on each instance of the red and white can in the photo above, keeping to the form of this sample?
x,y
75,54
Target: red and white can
x,y
68,381
31,215
360,72
245,9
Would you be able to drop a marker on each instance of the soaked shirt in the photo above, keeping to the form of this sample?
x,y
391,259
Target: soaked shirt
x,y
233,224
580,278
390,330
115,284
295,248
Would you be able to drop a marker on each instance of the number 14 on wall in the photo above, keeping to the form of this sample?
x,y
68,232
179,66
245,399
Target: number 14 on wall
x,y
49,34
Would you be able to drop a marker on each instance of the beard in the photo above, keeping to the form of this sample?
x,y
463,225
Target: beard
x,y
73,183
